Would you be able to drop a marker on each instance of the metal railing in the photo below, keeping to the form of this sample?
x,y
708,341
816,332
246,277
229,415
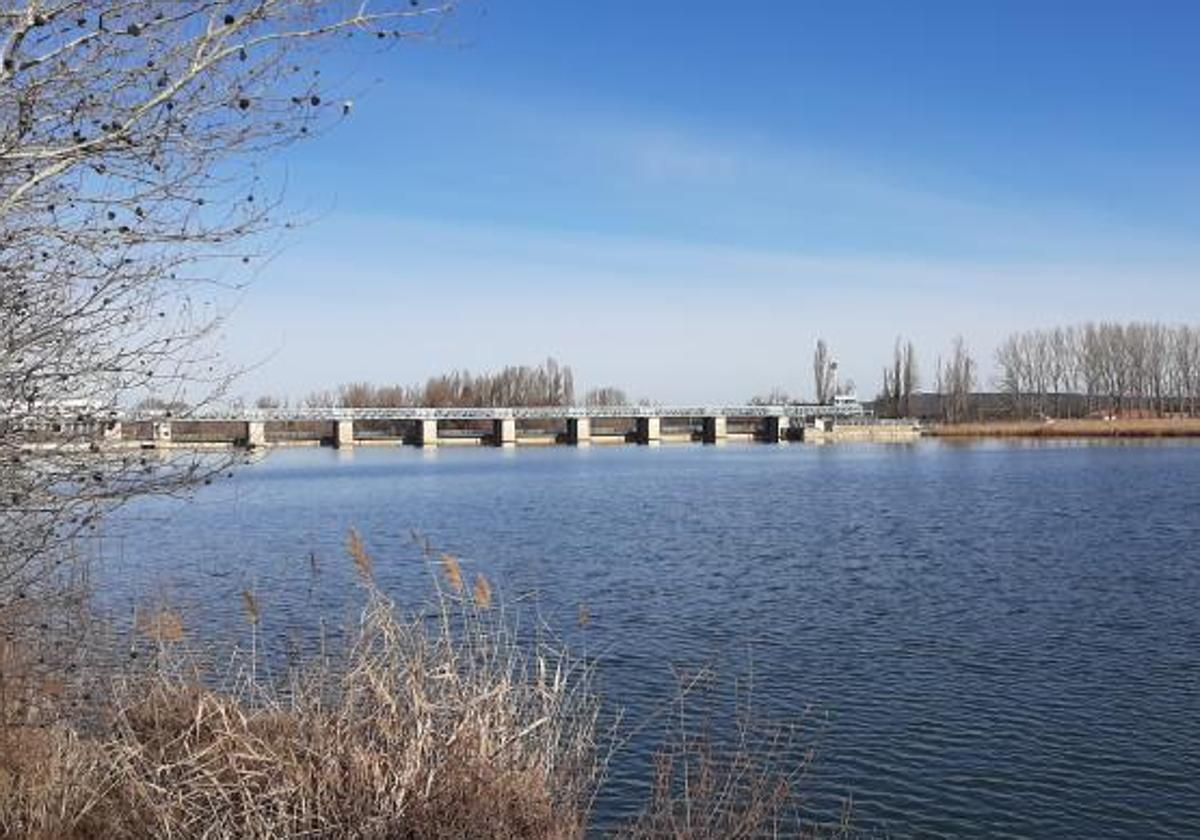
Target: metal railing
x,y
795,411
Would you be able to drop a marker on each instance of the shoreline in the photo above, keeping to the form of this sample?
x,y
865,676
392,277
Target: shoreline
x,y
1084,428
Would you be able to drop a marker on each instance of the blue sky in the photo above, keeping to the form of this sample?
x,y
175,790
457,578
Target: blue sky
x,y
680,197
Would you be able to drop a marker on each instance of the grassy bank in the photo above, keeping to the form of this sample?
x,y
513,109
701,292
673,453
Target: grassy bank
x,y
1090,428
446,723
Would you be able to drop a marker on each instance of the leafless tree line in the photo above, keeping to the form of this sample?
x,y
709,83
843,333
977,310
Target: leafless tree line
x,y
955,378
130,139
607,395
549,383
1102,367
776,396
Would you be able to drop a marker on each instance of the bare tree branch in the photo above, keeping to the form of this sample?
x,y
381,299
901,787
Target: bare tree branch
x,y
131,138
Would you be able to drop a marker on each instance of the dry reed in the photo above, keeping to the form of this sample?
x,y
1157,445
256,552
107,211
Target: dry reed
x,y
456,727
750,785
163,625
453,572
250,607
483,592
449,729
363,563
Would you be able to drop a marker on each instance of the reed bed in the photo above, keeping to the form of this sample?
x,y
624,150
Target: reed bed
x,y
430,726
444,724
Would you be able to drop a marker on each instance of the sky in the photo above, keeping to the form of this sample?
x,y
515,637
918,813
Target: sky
x,y
679,197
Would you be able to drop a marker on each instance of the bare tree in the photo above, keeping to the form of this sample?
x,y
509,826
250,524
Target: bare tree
x,y
320,399
1010,377
824,373
1186,366
900,381
130,138
1091,365
910,379
955,382
889,395
1158,373
892,383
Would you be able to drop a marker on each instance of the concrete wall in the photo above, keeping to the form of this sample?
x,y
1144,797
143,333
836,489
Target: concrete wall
x,y
579,431
427,433
343,433
862,432
256,434
504,432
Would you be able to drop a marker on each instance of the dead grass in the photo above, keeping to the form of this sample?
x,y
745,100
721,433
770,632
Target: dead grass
x,y
438,725
1084,428
443,728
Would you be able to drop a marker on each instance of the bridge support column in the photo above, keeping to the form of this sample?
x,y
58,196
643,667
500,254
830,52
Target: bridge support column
x,y
715,429
775,429
427,433
504,431
160,432
256,434
343,433
579,431
649,430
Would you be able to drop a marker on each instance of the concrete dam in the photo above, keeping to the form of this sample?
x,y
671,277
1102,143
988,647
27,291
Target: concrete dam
x,y
645,425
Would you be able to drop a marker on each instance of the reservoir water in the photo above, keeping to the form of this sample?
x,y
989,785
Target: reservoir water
x,y
996,640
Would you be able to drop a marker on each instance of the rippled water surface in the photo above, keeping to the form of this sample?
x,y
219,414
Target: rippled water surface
x,y
1000,640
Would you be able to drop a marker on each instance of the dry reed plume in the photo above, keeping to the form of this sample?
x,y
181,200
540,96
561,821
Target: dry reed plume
x,y
453,572
363,563
250,606
163,625
483,592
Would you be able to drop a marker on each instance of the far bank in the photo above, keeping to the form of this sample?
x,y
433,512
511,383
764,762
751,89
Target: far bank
x,y
1081,428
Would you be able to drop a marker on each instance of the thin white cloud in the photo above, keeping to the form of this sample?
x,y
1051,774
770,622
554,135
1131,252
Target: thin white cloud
x,y
678,321
709,182
684,263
